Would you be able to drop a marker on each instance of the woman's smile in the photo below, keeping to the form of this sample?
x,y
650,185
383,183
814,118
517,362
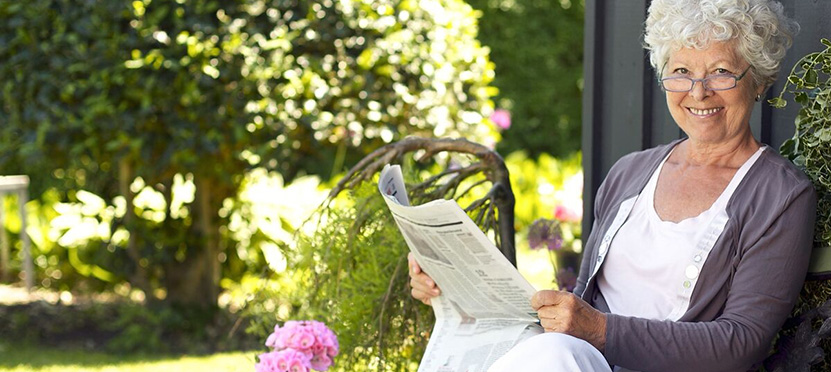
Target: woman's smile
x,y
704,112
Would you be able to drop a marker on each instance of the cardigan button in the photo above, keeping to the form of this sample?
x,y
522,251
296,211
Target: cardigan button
x,y
692,272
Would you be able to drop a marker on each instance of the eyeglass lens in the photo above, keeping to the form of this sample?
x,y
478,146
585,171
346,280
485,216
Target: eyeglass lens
x,y
684,84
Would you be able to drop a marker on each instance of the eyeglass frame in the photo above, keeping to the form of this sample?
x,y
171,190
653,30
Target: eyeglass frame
x,y
703,81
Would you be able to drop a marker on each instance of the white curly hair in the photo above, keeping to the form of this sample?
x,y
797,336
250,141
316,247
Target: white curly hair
x,y
760,29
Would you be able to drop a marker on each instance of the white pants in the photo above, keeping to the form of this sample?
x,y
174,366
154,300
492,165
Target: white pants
x,y
552,352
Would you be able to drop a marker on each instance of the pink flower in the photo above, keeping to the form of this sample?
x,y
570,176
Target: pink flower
x,y
321,362
502,118
288,360
565,214
267,363
317,344
294,360
301,339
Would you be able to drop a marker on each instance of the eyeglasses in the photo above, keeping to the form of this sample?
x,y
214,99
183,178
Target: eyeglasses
x,y
712,82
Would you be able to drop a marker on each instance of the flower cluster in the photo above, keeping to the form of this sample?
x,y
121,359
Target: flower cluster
x,y
545,233
299,346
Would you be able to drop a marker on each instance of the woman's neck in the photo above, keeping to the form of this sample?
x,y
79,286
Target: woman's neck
x,y
730,154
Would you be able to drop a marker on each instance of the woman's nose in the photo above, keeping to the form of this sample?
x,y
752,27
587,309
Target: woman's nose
x,y
699,90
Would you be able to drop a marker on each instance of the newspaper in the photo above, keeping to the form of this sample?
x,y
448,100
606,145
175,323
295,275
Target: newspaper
x,y
485,305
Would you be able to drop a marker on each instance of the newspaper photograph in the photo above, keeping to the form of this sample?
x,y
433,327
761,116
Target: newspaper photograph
x,y
485,305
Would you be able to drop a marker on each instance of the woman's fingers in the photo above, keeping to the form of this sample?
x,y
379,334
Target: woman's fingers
x,y
548,297
423,287
558,311
564,312
414,267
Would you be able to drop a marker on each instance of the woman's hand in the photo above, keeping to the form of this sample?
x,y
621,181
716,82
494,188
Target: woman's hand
x,y
564,312
423,287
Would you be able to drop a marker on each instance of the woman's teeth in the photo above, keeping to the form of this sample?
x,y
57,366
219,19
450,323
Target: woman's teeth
x,y
704,112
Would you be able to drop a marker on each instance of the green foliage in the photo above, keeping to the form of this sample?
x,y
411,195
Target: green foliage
x,y
357,266
51,265
549,188
542,183
366,73
171,83
537,48
810,84
122,327
805,339
121,98
351,273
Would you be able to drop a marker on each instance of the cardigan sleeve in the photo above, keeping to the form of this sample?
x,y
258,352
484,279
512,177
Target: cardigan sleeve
x,y
765,285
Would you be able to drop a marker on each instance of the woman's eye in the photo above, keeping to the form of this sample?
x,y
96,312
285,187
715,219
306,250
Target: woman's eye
x,y
681,71
722,71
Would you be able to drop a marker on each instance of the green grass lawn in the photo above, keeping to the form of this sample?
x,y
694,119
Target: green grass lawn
x,y
15,358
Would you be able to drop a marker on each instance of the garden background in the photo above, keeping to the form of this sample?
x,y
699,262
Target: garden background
x,y
175,149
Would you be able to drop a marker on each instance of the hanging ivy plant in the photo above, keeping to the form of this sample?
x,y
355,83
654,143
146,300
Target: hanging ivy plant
x,y
810,84
804,342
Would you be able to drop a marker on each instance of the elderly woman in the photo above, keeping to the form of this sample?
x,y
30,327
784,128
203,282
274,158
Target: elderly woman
x,y
699,247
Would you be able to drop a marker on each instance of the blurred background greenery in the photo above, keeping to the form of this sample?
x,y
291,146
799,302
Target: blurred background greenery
x,y
176,147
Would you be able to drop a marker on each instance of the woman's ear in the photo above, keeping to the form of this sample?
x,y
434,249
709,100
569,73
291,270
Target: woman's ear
x,y
760,92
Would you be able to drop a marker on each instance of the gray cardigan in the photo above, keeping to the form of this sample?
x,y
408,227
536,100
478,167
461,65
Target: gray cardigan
x,y
739,294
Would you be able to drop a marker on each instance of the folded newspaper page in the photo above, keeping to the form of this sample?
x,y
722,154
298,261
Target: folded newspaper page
x,y
485,305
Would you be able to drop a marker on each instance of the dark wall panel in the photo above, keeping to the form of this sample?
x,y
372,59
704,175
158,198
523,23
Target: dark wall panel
x,y
621,83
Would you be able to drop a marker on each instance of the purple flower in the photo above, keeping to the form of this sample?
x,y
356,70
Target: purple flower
x,y
502,118
566,279
545,232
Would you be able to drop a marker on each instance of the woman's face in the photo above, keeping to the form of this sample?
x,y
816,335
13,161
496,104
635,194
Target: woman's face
x,y
707,116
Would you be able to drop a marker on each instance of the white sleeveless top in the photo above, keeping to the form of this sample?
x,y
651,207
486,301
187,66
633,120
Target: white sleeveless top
x,y
649,259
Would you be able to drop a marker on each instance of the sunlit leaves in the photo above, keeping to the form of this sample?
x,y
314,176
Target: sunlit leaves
x,y
364,73
97,94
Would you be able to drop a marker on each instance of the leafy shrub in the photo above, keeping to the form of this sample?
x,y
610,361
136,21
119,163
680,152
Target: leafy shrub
x,y
810,84
123,327
115,98
806,338
353,267
353,276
